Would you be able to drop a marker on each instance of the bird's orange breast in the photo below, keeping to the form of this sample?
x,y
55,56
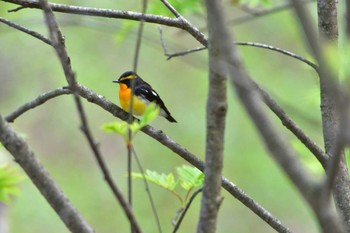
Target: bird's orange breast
x,y
139,105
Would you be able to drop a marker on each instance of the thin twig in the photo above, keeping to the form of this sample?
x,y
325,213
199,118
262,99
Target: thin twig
x,y
253,44
36,102
26,30
148,190
183,213
171,8
130,119
293,127
17,9
265,12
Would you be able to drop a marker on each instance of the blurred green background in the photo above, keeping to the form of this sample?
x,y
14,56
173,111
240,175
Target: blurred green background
x,y
100,50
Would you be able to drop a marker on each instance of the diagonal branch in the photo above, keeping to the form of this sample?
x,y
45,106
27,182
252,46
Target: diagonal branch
x,y
293,127
26,30
25,157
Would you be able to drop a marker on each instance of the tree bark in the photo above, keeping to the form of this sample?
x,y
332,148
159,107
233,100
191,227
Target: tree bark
x,y
216,115
328,29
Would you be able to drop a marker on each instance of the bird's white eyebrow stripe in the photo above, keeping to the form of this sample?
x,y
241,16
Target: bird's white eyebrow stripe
x,y
154,93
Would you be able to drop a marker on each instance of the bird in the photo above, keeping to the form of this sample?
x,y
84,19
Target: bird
x,y
144,94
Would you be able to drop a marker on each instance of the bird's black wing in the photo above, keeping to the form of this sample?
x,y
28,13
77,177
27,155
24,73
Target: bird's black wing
x,y
146,92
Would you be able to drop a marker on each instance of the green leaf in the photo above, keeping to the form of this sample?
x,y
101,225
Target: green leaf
x,y
121,127
150,114
165,181
190,177
9,179
118,127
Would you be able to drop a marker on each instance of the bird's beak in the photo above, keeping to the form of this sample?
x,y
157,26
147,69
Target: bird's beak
x,y
116,81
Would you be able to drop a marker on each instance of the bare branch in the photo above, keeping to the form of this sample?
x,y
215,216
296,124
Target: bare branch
x,y
17,9
265,12
183,213
294,128
118,14
215,127
327,19
148,190
253,44
25,157
37,102
171,8
26,30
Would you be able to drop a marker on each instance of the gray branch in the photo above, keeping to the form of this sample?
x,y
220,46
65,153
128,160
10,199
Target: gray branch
x,y
36,102
26,30
215,127
25,157
180,22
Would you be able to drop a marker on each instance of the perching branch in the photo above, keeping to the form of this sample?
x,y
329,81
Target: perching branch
x,y
25,157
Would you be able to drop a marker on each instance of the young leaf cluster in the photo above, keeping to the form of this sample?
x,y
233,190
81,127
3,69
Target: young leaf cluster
x,y
9,180
188,177
122,128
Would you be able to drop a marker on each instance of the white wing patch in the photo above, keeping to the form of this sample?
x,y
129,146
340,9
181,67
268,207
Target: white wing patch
x,y
154,93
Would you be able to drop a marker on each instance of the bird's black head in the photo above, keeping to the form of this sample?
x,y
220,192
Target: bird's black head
x,y
126,77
